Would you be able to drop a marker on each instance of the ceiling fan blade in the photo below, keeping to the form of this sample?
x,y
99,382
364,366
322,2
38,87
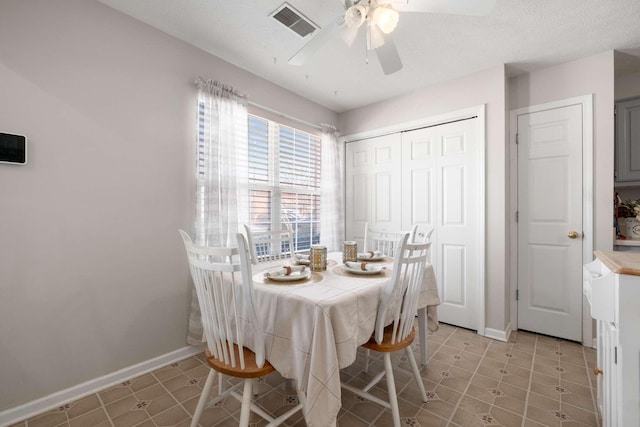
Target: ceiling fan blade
x,y
388,57
318,40
452,7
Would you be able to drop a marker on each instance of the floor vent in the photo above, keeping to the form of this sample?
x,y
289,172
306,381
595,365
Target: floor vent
x,y
294,20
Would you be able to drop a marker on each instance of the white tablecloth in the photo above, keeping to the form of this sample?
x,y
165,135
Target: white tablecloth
x,y
314,329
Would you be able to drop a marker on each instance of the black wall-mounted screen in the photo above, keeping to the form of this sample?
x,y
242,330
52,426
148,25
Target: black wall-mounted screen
x,y
13,148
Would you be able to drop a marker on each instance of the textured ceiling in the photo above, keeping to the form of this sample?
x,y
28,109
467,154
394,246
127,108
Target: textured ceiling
x,y
524,34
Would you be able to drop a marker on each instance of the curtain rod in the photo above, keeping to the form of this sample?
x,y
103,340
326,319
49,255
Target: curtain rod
x,y
286,116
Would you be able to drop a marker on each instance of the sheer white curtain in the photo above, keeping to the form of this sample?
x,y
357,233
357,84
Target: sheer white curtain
x,y
332,190
222,195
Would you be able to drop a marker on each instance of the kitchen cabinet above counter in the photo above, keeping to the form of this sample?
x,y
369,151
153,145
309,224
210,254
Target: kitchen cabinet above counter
x,y
628,143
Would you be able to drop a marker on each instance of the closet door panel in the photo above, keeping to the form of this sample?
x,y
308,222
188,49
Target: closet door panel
x,y
373,185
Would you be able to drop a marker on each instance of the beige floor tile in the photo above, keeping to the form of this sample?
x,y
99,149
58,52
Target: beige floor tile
x,y
366,410
114,393
83,406
350,420
428,419
543,416
160,404
465,418
577,400
170,417
513,391
582,416
473,405
543,402
541,378
167,372
581,379
129,419
571,387
480,393
516,381
505,418
92,418
48,419
470,380
511,404
143,382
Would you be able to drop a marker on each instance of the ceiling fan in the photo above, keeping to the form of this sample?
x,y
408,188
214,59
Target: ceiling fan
x,y
380,17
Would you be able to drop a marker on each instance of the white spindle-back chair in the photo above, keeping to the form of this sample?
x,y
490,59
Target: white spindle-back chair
x,y
270,245
421,233
385,241
394,328
223,282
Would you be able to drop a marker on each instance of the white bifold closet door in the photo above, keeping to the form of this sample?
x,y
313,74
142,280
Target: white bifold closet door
x,y
425,176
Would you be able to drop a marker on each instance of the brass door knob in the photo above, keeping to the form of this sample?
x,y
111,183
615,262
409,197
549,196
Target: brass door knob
x,y
573,234
597,371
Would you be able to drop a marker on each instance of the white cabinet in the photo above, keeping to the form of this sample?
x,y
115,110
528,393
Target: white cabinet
x,y
628,142
612,286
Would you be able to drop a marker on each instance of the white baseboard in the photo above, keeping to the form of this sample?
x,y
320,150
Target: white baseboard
x,y
29,409
497,334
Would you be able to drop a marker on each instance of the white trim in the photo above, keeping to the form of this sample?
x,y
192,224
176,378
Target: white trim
x,y
465,113
497,334
29,409
427,121
586,102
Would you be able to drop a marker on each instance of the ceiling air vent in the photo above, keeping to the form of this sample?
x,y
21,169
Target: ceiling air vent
x,y
294,20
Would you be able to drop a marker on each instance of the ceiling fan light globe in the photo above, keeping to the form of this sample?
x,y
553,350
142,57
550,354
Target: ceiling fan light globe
x,y
355,16
386,18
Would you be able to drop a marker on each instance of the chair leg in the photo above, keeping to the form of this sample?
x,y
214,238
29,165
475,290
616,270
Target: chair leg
x,y
245,409
203,398
391,387
367,353
416,373
422,333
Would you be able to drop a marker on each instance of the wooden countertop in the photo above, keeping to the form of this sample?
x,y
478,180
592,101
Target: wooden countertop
x,y
620,262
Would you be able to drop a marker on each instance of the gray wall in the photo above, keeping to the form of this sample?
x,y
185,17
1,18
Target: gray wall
x,y
93,275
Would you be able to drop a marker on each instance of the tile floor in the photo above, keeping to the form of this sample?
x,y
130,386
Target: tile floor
x,y
531,381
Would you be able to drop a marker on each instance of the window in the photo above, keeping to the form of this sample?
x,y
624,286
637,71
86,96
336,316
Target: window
x,y
284,179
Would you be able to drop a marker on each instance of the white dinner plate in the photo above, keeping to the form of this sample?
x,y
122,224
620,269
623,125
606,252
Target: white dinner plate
x,y
295,275
363,257
374,269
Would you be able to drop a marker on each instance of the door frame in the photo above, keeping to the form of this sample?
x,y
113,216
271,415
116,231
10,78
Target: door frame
x,y
461,114
586,102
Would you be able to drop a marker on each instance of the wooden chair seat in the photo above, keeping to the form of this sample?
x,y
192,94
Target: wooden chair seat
x,y
386,346
251,369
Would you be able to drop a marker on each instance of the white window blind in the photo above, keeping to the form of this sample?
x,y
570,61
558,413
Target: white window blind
x,y
284,179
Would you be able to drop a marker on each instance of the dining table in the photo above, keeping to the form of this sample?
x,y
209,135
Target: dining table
x,y
313,327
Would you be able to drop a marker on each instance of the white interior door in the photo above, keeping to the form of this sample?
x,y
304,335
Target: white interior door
x,y
549,212
441,187
373,185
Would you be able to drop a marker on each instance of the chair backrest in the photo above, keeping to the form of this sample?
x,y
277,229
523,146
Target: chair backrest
x,y
270,245
399,303
222,278
385,241
421,233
